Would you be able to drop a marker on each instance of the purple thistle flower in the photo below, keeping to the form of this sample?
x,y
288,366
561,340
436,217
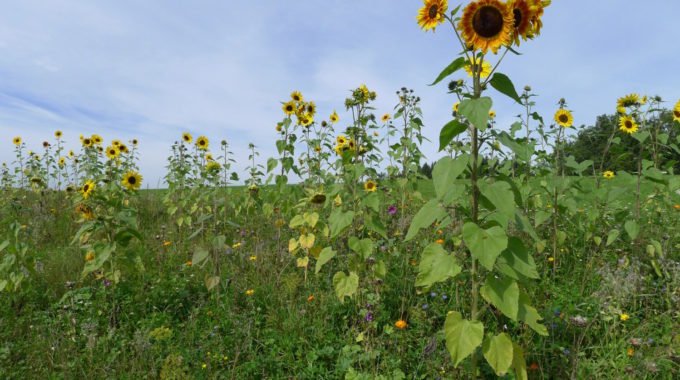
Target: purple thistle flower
x,y
369,317
392,210
383,248
107,282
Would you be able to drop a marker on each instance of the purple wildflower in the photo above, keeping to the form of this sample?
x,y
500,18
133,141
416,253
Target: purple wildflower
x,y
369,317
392,210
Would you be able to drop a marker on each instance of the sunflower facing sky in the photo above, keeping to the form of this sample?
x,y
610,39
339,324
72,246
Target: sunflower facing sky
x,y
132,180
564,118
202,143
486,25
630,100
289,108
385,117
628,124
57,134
431,14
296,96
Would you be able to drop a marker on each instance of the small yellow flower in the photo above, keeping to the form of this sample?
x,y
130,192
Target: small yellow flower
x,y
624,317
385,117
676,206
628,124
89,256
400,324
631,351
492,114
621,110
189,263
564,118
167,244
252,258
57,134
370,186
250,292
551,259
236,245
204,366
334,117
608,174
187,138
455,107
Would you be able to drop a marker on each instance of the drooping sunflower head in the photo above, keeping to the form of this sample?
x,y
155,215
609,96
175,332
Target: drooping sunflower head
x,y
213,167
608,174
87,188
537,7
431,14
296,96
486,25
289,108
385,118
187,138
628,124
132,180
334,117
676,112
112,152
621,110
97,140
455,106
630,100
370,185
564,118
58,134
311,108
16,140
474,67
202,143
522,16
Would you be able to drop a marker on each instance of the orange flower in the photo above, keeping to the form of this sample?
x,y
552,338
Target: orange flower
x,y
89,256
676,206
310,298
166,244
400,324
440,241
630,351
189,263
533,366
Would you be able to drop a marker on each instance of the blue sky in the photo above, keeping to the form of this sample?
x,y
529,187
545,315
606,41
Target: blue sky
x,y
154,69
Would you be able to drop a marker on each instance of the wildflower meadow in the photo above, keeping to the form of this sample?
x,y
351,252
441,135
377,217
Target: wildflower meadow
x,y
533,250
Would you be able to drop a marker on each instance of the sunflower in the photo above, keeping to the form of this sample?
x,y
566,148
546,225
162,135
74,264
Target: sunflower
x,y
385,117
370,185
537,7
486,68
629,100
364,92
628,124
70,154
278,127
208,157
431,14
341,140
16,140
306,119
492,114
351,145
213,167
643,100
621,110
608,174
289,108
202,143
58,134
132,180
89,256
97,140
317,149
87,189
296,96
676,112
564,118
134,142
455,107
311,108
112,152
123,148
187,138
334,117
62,161
486,24
115,142
522,14
87,142
100,149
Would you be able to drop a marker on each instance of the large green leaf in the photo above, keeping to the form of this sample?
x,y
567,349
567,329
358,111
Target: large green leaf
x,y
485,245
476,111
426,216
448,132
445,171
325,256
504,85
529,315
522,150
363,247
102,254
501,196
632,229
454,66
516,262
503,293
339,221
345,286
376,225
436,265
462,336
497,351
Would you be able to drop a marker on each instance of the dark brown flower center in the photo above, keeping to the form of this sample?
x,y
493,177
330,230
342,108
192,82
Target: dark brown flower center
x,y
289,108
629,124
202,142
86,188
132,180
676,113
487,21
432,13
564,118
518,17
186,138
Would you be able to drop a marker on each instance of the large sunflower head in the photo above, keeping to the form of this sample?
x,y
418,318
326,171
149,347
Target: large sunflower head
x,y
472,67
334,117
537,7
564,118
370,186
187,138
486,25
676,112
522,16
431,14
628,124
296,96
123,148
202,143
87,188
112,152
16,140
115,143
289,108
630,100
132,180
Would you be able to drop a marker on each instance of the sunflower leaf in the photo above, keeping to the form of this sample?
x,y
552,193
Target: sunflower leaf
x,y
456,65
452,129
476,111
504,85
